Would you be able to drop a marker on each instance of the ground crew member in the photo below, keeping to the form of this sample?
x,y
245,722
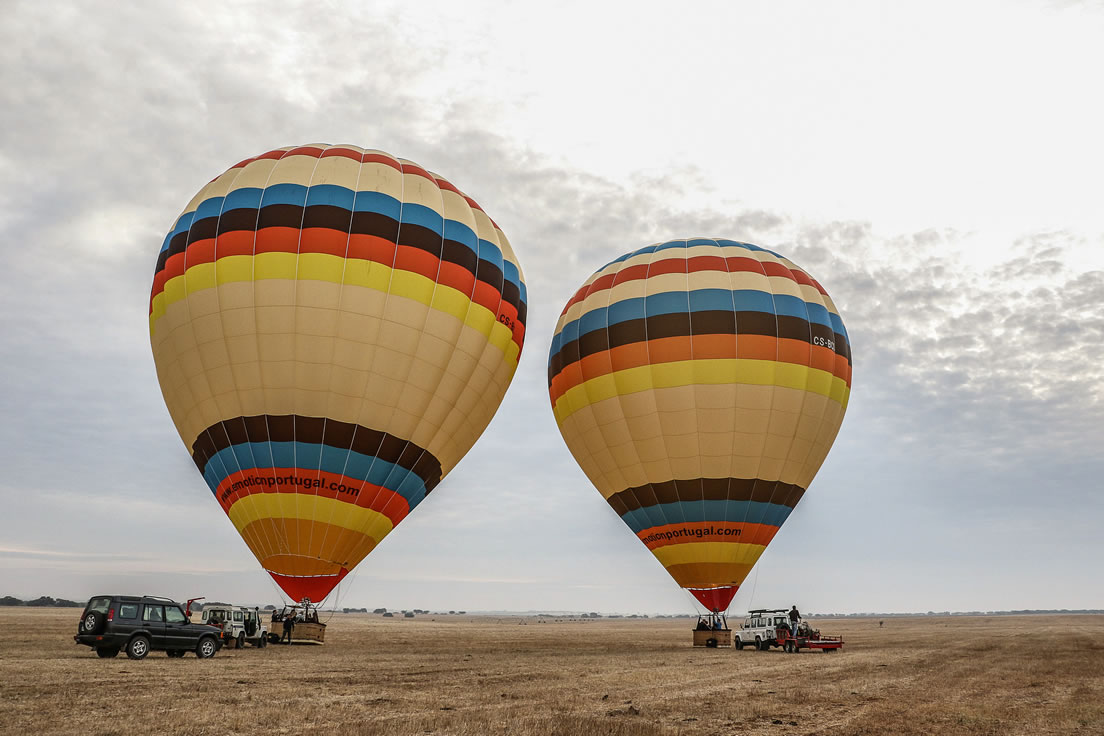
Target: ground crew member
x,y
795,616
289,624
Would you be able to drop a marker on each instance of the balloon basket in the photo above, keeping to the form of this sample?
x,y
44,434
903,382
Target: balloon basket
x,y
713,639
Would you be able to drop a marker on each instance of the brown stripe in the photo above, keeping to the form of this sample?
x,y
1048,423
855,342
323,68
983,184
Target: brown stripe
x,y
683,324
356,223
706,489
317,431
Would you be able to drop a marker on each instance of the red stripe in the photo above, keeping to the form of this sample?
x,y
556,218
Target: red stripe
x,y
312,151
342,152
409,168
368,496
444,184
315,587
472,203
733,264
686,533
234,243
323,240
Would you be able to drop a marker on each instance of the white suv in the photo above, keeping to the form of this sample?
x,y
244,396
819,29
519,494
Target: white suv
x,y
238,624
760,627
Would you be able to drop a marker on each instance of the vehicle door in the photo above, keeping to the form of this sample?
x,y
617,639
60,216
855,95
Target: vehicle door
x,y
177,635
239,623
153,621
126,618
252,623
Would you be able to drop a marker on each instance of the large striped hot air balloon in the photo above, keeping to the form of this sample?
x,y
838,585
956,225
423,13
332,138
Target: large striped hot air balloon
x,y
333,329
699,384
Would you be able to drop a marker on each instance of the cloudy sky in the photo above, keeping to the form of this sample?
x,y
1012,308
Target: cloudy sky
x,y
937,166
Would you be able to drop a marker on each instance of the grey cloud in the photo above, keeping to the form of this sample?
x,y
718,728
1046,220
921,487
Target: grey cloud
x,y
968,384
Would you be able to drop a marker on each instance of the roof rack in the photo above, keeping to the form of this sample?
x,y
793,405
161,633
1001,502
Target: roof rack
x,y
767,610
158,598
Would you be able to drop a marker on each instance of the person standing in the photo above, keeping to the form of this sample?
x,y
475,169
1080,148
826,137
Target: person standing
x,y
289,624
795,617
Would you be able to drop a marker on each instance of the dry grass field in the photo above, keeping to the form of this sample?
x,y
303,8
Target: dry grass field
x,y
472,676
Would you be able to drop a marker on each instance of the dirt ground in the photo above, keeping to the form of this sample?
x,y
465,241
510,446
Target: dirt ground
x,y
471,676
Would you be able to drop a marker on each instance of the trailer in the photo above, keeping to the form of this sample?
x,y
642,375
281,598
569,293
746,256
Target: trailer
x,y
808,638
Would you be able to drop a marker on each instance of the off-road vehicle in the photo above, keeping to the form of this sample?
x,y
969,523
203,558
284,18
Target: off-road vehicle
x,y
237,624
140,624
760,628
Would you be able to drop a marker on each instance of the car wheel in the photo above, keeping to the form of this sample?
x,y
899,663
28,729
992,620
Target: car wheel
x,y
789,647
107,652
239,643
93,622
138,647
738,643
263,641
206,648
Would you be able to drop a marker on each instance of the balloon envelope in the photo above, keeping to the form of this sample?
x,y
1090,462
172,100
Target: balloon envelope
x,y
333,329
700,384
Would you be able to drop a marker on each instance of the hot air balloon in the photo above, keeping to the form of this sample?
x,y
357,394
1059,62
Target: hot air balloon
x,y
700,384
333,328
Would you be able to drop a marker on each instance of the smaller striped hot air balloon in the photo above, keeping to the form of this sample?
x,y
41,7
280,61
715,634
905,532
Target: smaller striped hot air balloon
x,y
700,384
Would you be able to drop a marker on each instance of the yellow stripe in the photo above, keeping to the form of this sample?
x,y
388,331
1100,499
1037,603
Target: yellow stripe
x,y
248,509
709,552
700,372
337,270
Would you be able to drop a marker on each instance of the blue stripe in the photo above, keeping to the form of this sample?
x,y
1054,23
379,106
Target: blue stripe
x,y
681,512
183,223
672,302
266,455
422,216
378,202
246,198
209,208
293,194
461,233
330,195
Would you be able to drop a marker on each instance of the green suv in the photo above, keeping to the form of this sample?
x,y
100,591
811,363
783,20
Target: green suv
x,y
139,624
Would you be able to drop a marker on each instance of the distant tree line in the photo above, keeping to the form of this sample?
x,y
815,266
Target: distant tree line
x,y
1021,612
42,602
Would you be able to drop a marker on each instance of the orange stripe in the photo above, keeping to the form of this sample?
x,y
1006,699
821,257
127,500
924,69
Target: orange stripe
x,y
709,531
698,347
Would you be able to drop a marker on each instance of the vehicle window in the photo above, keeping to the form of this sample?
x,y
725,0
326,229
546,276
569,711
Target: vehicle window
x,y
98,604
237,616
153,613
174,615
128,610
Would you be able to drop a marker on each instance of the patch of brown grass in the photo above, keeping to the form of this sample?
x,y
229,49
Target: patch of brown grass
x,y
468,676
